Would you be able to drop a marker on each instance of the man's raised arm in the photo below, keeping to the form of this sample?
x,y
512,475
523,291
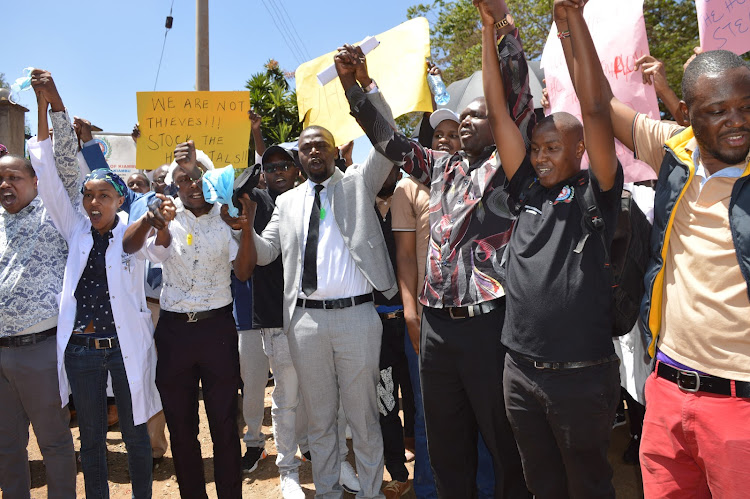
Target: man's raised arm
x,y
65,145
622,116
508,138
588,77
385,139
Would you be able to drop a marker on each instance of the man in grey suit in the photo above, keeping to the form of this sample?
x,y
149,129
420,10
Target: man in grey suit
x,y
334,255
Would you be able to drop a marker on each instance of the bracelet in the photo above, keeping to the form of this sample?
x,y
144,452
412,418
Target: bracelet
x,y
564,34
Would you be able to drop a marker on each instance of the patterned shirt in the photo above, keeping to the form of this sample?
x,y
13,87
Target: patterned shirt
x,y
196,274
470,222
32,251
92,292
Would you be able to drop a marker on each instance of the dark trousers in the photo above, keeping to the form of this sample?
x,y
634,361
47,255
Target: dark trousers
x,y
636,413
462,378
392,357
563,421
407,391
202,352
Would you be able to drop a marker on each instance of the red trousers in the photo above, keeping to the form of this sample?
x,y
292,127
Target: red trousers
x,y
694,445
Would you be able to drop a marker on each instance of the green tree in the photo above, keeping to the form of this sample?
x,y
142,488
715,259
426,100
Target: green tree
x,y
455,33
3,82
672,29
271,97
456,38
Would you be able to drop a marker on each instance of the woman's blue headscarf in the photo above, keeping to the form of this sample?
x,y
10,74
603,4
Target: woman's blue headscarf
x,y
108,176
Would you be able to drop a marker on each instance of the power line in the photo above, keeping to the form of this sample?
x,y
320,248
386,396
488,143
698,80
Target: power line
x,y
291,28
290,42
168,25
295,31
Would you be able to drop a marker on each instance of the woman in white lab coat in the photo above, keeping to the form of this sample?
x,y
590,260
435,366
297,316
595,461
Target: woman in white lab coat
x,y
104,326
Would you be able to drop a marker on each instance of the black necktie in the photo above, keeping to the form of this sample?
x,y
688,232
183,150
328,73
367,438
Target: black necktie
x,y
310,268
153,276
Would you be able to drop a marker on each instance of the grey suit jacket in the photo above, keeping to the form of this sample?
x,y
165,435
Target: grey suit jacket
x,y
352,197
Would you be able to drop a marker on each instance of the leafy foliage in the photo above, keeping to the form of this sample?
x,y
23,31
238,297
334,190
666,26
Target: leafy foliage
x,y
408,123
456,37
3,82
272,99
672,29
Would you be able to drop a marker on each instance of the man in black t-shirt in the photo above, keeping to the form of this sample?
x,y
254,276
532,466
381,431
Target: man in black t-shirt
x,y
393,367
281,173
561,383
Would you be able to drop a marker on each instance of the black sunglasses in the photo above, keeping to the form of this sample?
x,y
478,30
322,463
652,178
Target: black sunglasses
x,y
279,166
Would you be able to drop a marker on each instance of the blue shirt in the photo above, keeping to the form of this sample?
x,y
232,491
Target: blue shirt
x,y
243,303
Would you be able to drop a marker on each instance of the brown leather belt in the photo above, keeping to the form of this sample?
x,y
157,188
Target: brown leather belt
x,y
152,300
396,314
27,339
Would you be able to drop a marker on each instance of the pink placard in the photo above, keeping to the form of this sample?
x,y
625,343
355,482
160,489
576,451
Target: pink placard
x,y
619,33
724,24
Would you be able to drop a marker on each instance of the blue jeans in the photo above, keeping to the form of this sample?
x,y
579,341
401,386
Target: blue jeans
x,y
424,482
87,370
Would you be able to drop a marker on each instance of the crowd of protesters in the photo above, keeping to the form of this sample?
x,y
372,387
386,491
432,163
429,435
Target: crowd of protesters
x,y
467,294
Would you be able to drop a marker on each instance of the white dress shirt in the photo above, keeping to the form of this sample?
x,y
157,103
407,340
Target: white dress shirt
x,y
338,274
197,276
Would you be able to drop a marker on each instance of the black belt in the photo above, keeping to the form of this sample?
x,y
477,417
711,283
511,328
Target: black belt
x,y
562,365
471,310
690,381
194,316
334,304
93,342
27,339
396,314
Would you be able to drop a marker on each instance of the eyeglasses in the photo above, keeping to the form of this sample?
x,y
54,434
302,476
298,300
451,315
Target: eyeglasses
x,y
280,166
186,180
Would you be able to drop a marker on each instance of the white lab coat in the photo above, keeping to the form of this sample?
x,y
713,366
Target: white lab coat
x,y
135,330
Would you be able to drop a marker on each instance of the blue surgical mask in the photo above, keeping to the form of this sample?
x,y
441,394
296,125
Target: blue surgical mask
x,y
22,83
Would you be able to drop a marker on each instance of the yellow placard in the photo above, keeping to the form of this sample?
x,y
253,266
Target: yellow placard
x,y
216,121
399,67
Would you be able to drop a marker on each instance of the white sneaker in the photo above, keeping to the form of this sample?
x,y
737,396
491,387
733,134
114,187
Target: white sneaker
x,y
348,478
290,488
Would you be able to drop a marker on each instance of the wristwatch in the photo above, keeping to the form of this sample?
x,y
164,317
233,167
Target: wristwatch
x,y
505,21
370,87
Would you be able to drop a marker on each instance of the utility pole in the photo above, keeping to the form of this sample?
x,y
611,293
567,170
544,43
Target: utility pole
x,y
201,45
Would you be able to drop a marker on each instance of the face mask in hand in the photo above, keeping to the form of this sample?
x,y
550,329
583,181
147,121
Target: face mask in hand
x,y
21,84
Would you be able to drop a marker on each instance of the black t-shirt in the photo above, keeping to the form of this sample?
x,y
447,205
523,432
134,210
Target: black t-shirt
x,y
268,280
559,303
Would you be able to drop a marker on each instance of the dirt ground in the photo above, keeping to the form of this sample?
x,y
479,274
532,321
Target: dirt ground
x,y
264,482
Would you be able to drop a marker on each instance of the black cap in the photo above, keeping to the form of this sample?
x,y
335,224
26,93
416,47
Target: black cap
x,y
274,150
245,183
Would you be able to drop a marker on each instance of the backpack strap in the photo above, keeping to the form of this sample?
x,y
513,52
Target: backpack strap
x,y
592,222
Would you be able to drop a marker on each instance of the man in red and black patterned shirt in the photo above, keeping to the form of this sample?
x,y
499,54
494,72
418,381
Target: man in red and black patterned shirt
x,y
463,295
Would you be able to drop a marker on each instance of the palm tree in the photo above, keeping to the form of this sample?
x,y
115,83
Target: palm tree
x,y
271,98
